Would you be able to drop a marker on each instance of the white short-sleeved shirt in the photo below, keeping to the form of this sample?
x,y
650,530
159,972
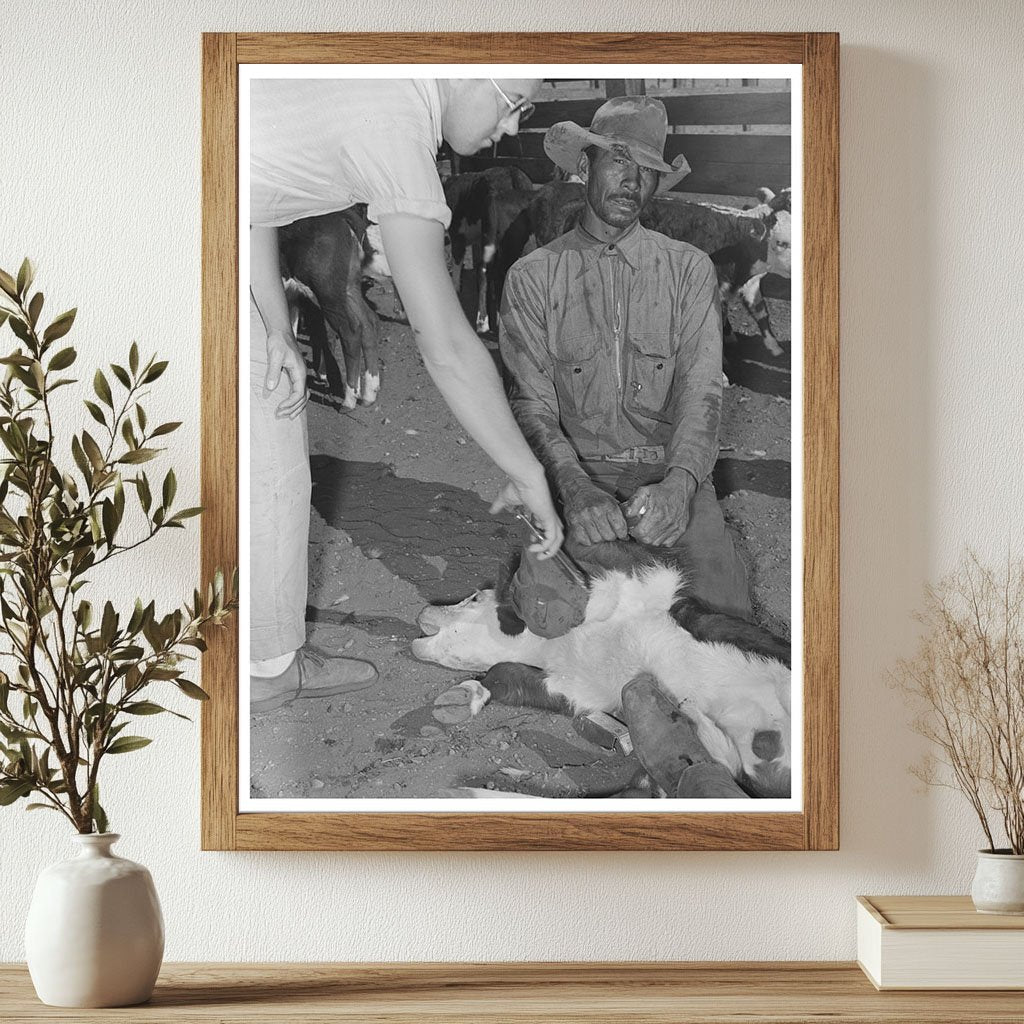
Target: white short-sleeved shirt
x,y
320,145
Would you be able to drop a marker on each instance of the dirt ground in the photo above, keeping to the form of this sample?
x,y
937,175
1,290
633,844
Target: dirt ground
x,y
399,520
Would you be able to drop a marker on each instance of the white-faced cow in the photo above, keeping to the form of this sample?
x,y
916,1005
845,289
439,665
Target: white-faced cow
x,y
729,677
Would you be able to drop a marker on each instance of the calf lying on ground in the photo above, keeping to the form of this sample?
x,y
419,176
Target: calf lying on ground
x,y
732,682
324,259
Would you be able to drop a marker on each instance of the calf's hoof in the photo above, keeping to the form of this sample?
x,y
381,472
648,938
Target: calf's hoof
x,y
460,703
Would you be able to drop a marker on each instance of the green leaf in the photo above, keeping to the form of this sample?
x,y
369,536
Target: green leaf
x,y
144,707
102,388
92,449
191,690
8,284
138,614
4,314
95,412
154,372
41,807
133,358
11,791
60,326
99,816
20,328
26,274
165,428
145,497
121,374
63,359
34,308
140,415
170,488
128,433
125,744
139,455
109,522
80,459
108,627
185,513
83,613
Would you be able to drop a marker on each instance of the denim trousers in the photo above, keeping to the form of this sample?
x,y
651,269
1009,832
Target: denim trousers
x,y
716,573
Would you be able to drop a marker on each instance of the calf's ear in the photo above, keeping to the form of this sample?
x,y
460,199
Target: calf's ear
x,y
508,621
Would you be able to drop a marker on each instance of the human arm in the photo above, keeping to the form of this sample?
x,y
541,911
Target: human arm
x,y
461,367
662,510
591,514
696,403
267,290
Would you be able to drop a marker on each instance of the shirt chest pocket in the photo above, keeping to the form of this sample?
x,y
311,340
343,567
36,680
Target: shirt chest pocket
x,y
582,378
652,366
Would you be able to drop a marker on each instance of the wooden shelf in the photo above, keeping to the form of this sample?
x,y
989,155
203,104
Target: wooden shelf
x,y
659,993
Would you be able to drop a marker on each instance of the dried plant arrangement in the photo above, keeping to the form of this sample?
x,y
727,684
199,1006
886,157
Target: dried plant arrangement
x,y
967,682
82,671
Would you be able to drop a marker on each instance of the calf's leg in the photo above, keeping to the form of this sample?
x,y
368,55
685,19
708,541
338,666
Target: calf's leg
x,y
508,682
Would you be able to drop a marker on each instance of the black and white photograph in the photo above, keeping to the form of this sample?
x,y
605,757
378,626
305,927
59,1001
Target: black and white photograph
x,y
520,461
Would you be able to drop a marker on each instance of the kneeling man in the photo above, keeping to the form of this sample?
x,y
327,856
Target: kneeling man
x,y
611,337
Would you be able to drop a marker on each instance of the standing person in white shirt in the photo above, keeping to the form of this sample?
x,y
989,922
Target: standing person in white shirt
x,y
317,146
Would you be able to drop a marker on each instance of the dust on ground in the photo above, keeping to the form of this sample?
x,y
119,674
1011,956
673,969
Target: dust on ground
x,y
400,520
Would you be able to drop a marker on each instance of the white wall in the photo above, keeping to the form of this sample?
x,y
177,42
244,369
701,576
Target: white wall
x,y
100,183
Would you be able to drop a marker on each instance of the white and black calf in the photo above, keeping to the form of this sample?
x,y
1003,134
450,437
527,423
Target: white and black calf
x,y
731,678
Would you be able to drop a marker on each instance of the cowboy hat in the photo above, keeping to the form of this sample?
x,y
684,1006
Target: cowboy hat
x,y
639,124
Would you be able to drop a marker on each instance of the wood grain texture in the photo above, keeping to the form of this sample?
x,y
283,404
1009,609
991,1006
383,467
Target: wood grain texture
x,y
520,831
821,440
817,827
613,993
521,48
936,912
219,430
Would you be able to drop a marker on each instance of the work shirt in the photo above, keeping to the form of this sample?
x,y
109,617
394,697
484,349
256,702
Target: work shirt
x,y
320,145
611,346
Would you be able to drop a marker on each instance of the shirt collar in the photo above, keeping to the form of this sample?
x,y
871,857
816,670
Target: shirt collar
x,y
627,246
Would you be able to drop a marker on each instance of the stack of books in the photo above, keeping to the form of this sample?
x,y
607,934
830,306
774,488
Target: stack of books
x,y
938,942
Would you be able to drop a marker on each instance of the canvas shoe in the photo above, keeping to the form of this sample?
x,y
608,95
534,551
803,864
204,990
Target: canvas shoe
x,y
312,673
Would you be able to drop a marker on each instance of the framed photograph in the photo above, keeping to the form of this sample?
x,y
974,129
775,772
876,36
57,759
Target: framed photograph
x,y
436,264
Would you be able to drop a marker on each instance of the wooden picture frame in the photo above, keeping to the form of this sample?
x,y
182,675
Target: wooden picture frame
x,y
816,826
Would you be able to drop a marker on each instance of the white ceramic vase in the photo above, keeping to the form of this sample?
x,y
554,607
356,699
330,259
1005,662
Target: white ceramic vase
x,y
999,883
95,933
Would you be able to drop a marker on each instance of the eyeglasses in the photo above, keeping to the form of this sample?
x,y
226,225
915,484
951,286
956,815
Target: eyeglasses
x,y
524,108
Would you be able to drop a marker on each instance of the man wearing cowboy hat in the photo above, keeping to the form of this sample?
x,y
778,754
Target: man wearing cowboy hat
x,y
612,340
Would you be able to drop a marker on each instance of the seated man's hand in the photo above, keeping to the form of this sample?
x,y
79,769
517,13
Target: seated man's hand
x,y
592,515
662,510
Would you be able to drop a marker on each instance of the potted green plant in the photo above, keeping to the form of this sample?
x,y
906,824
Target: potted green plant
x,y
83,671
967,682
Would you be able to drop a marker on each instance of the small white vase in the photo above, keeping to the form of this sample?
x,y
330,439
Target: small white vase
x,y
999,883
95,933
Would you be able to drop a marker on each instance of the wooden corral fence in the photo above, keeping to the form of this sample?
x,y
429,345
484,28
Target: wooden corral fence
x,y
731,161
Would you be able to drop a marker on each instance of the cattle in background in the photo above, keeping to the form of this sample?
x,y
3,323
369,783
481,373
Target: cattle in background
x,y
750,248
755,266
729,677
326,258
486,206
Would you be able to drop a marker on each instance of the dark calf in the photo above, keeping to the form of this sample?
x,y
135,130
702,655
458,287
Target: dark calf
x,y
326,254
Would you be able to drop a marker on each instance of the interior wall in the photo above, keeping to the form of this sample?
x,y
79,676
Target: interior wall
x,y
100,184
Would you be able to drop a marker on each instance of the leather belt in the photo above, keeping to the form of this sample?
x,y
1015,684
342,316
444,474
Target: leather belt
x,y
647,453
